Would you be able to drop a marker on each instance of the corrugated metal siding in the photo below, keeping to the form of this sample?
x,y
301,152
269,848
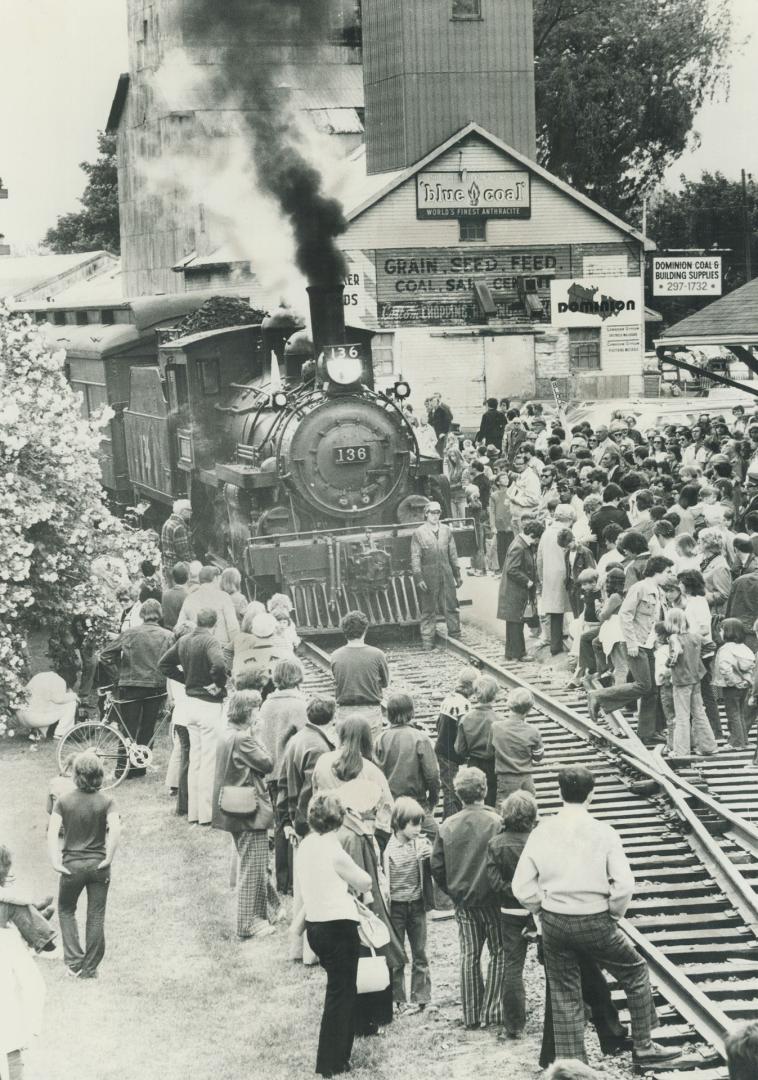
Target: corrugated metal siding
x,y
451,72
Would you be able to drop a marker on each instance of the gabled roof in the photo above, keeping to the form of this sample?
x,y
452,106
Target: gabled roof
x,y
731,320
21,273
370,189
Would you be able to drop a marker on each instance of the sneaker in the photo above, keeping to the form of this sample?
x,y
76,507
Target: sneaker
x,y
654,1054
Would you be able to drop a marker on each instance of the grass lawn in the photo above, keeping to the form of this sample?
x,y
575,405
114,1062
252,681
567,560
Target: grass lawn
x,y
178,996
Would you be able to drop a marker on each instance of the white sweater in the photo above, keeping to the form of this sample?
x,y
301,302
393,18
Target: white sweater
x,y
573,864
324,871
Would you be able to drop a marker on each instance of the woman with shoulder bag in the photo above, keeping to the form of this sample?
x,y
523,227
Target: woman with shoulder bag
x,y
325,873
241,806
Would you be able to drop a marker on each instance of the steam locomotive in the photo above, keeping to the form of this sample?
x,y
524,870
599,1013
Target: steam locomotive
x,y
300,473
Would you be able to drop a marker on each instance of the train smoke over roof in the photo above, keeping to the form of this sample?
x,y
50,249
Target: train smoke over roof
x,y
247,38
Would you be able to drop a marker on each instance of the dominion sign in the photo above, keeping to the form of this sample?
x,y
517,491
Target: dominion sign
x,y
473,194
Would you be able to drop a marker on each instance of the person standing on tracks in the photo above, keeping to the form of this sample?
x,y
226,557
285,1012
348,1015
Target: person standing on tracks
x,y
360,674
176,542
639,612
551,572
574,875
434,565
518,588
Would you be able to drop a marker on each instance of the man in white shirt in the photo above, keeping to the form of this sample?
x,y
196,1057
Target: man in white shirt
x,y
573,874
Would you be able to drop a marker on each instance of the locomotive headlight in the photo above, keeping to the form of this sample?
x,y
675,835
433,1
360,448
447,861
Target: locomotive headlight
x,y
402,390
279,400
344,369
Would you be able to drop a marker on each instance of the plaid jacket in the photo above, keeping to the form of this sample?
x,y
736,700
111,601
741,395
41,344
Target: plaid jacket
x,y
175,542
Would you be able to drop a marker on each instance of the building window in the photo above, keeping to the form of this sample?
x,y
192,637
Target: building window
x,y
467,9
584,349
107,317
59,318
472,228
40,316
383,355
81,318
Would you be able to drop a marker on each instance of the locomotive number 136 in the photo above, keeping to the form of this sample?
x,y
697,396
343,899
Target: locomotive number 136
x,y
351,455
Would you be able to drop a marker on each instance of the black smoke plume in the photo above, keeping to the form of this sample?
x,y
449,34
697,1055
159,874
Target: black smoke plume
x,y
247,40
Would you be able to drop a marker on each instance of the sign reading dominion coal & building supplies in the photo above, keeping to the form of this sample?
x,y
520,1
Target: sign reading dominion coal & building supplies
x,y
473,194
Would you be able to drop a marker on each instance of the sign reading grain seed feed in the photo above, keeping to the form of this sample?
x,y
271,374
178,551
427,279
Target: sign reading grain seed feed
x,y
698,275
473,194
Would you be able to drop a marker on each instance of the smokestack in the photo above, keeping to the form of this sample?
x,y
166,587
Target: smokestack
x,y
327,315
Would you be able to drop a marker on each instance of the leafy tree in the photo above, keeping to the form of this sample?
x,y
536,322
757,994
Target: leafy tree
x,y
618,87
63,551
96,226
704,213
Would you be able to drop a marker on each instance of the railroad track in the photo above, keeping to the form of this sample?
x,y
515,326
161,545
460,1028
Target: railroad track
x,y
694,915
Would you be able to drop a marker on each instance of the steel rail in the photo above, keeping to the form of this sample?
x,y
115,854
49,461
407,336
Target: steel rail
x,y
627,744
710,1021
686,997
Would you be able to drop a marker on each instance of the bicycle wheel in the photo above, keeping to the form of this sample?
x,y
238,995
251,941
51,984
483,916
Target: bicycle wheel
x,y
104,741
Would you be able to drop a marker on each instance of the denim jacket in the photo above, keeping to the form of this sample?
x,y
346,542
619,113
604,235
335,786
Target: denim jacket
x,y
639,612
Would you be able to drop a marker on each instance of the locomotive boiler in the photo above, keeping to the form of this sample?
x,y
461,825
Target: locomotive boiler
x,y
300,473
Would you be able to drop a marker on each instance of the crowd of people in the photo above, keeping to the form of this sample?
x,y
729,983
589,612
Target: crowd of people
x,y
635,553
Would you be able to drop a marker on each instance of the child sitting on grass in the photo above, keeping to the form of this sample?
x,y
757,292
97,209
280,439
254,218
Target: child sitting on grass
x,y
516,746
404,856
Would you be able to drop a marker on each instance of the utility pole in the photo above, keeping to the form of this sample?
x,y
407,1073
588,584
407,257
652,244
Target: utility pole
x,y
747,229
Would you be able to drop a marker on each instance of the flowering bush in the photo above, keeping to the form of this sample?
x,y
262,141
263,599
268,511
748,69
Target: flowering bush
x,y
57,536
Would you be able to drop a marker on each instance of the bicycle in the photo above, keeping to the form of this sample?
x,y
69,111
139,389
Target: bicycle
x,y
109,739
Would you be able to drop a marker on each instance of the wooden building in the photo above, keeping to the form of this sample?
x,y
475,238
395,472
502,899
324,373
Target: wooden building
x,y
483,305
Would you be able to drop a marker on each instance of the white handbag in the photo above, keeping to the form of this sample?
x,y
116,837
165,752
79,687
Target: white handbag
x,y
371,930
373,974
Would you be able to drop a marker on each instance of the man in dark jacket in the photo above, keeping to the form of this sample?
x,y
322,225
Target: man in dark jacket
x,y
141,685
517,588
491,426
441,419
459,866
197,660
